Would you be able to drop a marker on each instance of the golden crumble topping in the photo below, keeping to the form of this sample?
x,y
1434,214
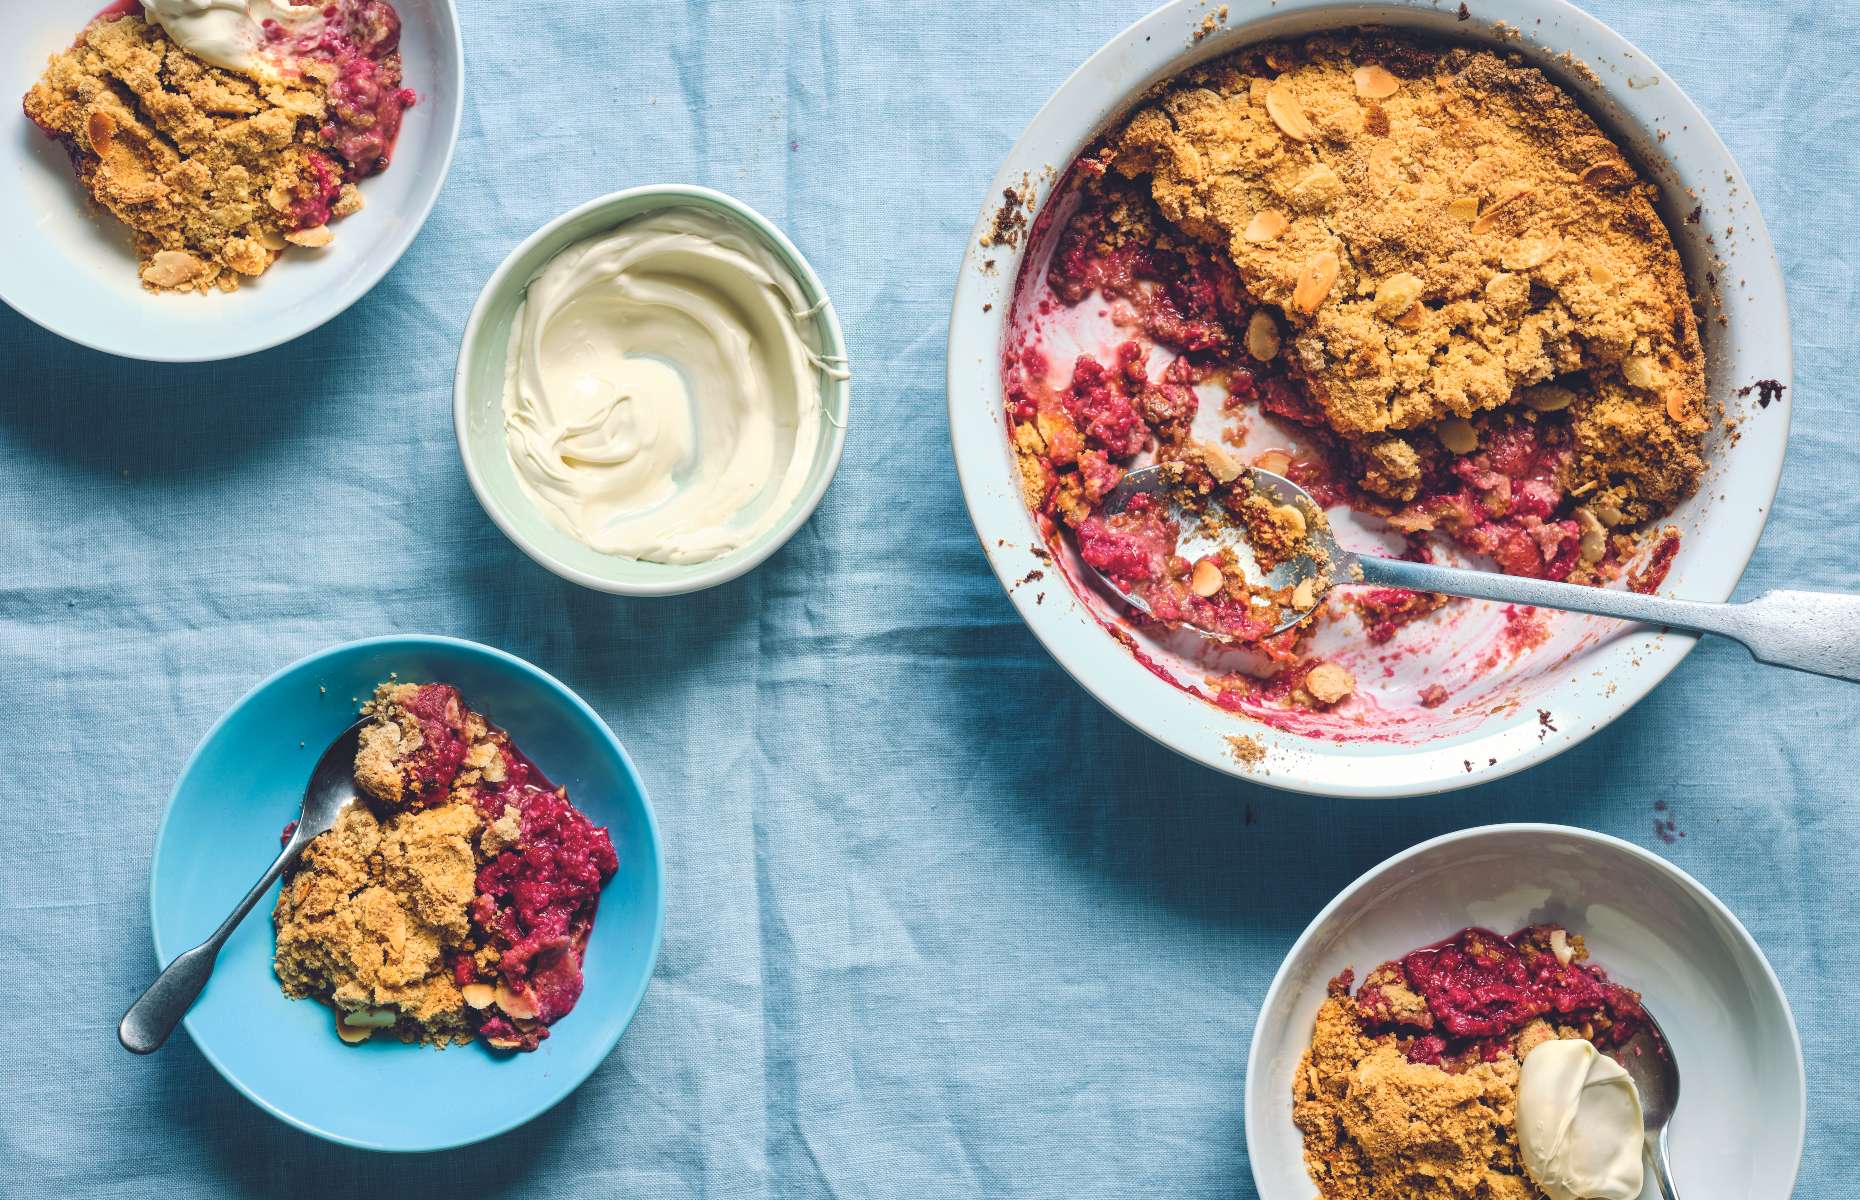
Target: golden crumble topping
x,y
1446,233
368,918
214,173
1378,1127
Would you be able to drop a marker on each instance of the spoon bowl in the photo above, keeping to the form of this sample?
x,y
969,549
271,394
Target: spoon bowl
x,y
1648,1059
1200,539
331,790
1817,632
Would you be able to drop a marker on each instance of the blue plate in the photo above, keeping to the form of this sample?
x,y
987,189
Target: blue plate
x,y
221,830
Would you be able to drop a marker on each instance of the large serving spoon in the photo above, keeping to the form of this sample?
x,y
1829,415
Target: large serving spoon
x,y
1648,1059
331,790
1809,631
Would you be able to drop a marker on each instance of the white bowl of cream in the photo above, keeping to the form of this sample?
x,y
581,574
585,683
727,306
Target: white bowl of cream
x,y
652,392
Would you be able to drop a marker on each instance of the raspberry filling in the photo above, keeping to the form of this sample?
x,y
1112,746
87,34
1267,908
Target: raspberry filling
x,y
536,901
1481,989
1504,500
361,40
431,768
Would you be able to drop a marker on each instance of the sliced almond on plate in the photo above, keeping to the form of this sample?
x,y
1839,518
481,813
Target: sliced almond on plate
x,y
514,1003
310,238
1375,83
1266,226
1315,281
1262,336
1283,107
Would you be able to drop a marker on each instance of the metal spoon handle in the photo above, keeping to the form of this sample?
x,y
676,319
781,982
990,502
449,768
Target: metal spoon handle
x,y
158,1010
1817,632
1662,1172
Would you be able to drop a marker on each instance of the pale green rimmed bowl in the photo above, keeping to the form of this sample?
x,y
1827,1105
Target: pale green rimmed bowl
x,y
478,401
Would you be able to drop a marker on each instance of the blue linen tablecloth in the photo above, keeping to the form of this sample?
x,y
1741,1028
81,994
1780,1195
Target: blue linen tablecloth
x,y
908,951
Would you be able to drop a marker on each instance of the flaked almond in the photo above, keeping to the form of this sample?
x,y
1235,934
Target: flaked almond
x,y
1546,397
1606,173
1283,107
1559,946
172,268
1411,319
1257,87
1276,461
1678,409
271,239
1315,281
1304,595
1466,208
1608,513
1222,465
1594,536
353,1034
1458,435
310,238
102,130
1639,370
1266,226
1207,579
1527,253
369,1018
1329,683
502,1043
478,995
1289,516
1262,336
1375,83
1396,295
515,1003
1507,196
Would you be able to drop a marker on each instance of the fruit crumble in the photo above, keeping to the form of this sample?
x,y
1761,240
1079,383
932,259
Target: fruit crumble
x,y
1409,1089
215,171
1423,263
458,902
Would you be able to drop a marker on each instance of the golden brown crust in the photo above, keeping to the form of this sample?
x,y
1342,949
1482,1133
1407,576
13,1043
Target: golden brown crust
x,y
367,920
202,164
390,736
1442,227
1378,1127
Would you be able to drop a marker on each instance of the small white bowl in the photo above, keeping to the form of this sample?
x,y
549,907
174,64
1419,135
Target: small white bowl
x,y
478,401
1525,709
1739,1128
71,268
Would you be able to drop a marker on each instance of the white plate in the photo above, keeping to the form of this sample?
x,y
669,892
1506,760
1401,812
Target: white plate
x,y
1592,670
1739,1128
70,267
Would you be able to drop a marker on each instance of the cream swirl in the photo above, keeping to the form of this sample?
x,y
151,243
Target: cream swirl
x,y
662,394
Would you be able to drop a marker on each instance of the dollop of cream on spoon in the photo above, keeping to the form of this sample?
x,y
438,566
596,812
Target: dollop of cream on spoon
x,y
1579,1123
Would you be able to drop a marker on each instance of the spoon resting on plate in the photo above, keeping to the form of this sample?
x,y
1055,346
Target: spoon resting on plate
x,y
1817,632
329,793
